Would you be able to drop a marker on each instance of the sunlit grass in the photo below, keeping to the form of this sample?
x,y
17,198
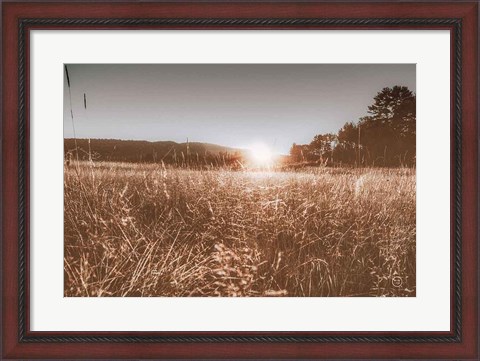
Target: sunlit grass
x,y
148,230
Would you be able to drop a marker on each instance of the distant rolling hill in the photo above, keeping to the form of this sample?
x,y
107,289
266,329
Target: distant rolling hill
x,y
143,151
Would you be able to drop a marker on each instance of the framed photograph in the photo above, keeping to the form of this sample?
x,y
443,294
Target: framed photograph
x,y
240,180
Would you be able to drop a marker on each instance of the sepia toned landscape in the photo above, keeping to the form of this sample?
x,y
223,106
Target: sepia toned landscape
x,y
294,180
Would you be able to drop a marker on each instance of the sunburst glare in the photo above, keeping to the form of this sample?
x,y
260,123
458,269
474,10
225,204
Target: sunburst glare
x,y
261,154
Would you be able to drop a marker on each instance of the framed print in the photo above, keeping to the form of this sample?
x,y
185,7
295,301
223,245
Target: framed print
x,y
240,180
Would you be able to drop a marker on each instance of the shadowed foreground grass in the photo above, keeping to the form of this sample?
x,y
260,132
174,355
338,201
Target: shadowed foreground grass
x,y
147,230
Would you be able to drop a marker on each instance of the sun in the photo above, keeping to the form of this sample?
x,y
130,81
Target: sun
x,y
261,154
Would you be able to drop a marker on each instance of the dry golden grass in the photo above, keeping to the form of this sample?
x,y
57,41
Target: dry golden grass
x,y
147,230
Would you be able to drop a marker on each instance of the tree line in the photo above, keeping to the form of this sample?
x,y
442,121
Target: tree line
x,y
190,154
386,137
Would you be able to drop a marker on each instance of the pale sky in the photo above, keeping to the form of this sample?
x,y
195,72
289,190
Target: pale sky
x,y
233,105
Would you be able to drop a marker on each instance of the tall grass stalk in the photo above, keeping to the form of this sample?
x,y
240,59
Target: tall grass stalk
x,y
71,111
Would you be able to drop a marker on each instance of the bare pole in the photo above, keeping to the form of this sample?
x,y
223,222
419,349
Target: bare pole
x,y
358,147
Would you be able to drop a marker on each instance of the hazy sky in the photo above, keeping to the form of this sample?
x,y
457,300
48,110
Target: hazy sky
x,y
227,104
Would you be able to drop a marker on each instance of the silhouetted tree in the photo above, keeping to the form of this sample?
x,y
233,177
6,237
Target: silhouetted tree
x,y
300,153
322,146
385,137
347,146
388,133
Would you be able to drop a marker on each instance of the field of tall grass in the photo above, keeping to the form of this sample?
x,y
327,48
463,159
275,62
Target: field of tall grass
x,y
150,230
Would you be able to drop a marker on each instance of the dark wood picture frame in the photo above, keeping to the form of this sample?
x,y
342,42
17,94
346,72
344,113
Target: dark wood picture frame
x,y
460,18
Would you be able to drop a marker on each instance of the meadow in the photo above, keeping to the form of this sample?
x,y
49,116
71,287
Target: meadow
x,y
153,230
